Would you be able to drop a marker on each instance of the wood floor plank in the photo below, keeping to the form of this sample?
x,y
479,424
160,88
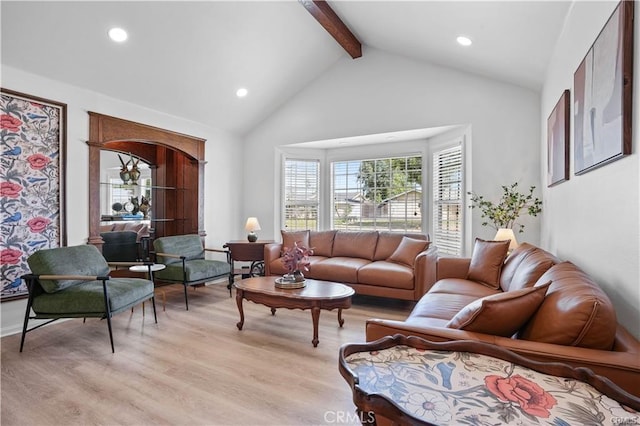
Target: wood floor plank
x,y
192,368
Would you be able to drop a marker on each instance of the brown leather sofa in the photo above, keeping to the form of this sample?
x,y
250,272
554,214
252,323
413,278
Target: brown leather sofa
x,y
575,323
400,266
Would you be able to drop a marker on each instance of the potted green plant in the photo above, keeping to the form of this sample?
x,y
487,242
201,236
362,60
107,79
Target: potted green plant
x,y
512,205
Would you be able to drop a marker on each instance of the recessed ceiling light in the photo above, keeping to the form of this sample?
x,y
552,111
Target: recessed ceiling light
x,y
242,92
118,34
464,41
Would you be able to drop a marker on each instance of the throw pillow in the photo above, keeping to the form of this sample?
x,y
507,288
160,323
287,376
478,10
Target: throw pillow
x,y
486,262
407,251
501,314
291,237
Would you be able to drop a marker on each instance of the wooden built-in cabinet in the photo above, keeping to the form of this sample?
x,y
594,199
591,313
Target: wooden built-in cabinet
x,y
177,173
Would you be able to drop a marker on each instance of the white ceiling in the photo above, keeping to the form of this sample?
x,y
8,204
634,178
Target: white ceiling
x,y
189,58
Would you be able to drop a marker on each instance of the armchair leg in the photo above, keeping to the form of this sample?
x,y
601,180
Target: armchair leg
x,y
153,303
107,311
110,332
26,321
186,296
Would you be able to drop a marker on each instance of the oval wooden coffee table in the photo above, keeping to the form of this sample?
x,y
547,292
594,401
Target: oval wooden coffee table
x,y
316,295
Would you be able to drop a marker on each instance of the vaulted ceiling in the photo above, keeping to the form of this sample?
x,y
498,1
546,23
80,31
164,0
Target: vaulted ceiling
x,y
189,58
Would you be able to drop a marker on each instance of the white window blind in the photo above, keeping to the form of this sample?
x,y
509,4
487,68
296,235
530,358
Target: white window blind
x,y
447,200
301,182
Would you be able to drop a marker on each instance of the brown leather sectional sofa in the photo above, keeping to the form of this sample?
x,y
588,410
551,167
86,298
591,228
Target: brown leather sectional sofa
x,y
575,323
373,263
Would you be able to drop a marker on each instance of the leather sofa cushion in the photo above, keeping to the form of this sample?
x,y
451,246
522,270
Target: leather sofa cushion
x,y
534,264
407,251
524,266
575,312
511,264
388,242
276,266
501,314
340,269
289,238
140,228
442,306
322,242
106,228
426,322
462,287
486,262
386,274
355,244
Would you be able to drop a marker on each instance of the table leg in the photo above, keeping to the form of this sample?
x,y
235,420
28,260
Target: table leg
x,y
239,302
315,315
340,319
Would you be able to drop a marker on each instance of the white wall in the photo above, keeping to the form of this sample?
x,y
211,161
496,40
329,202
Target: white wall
x,y
380,93
593,218
222,172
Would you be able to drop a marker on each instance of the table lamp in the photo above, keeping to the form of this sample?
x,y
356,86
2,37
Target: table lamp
x,y
507,234
251,226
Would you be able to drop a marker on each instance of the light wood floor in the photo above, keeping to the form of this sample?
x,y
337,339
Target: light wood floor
x,y
192,368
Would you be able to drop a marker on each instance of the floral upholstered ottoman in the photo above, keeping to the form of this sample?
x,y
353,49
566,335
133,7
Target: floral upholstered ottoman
x,y
411,380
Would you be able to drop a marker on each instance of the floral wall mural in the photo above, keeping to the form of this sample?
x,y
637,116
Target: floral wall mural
x,y
33,137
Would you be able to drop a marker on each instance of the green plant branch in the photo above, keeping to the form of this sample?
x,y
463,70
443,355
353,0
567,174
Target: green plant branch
x,y
511,206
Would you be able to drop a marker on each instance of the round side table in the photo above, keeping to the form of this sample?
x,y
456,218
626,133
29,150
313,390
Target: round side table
x,y
150,269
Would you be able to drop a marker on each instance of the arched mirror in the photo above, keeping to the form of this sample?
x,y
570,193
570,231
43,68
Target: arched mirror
x,y
168,181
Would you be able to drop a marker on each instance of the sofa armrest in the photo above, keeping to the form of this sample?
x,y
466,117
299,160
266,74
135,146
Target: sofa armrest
x,y
271,252
622,368
452,267
425,271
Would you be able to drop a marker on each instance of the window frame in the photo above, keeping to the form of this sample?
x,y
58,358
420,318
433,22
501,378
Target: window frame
x,y
424,147
331,199
283,190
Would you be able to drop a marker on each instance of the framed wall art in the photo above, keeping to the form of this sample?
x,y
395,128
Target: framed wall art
x,y
603,95
558,142
33,136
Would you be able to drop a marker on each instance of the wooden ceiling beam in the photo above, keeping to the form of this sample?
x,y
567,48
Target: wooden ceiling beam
x,y
331,22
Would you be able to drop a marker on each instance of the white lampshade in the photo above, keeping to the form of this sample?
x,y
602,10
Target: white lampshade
x,y
506,234
252,224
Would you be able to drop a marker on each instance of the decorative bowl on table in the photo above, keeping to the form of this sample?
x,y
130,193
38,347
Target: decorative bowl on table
x,y
288,283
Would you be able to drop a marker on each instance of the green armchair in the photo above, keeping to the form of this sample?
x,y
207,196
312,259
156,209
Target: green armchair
x,y
74,282
184,257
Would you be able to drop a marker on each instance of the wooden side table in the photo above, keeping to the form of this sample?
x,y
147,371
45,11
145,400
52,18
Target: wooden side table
x,y
245,251
409,380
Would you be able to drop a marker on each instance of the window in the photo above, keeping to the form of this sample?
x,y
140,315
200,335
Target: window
x,y
447,200
301,182
383,194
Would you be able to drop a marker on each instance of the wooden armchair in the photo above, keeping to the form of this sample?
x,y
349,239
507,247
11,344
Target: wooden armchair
x,y
74,282
184,257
